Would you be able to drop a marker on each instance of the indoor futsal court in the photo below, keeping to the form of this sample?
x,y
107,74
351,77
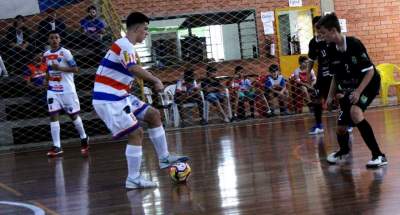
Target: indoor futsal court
x,y
266,167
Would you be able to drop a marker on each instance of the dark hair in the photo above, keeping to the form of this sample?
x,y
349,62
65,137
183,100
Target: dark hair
x,y
91,7
329,21
238,69
136,18
188,75
302,59
53,32
273,68
17,18
315,19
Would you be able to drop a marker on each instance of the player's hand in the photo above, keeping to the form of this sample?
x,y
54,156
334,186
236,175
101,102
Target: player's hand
x,y
55,67
354,97
158,86
328,101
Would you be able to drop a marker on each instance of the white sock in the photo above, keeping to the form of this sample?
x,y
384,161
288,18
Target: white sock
x,y
159,140
79,127
55,133
3,69
133,155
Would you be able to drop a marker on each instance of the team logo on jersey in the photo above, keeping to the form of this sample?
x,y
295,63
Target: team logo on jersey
x,y
323,53
364,56
354,59
363,99
126,56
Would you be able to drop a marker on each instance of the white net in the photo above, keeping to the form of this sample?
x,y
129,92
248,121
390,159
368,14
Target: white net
x,y
216,66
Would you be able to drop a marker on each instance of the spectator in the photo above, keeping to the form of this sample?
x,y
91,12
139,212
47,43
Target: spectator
x,y
35,76
50,23
94,29
188,91
275,87
304,80
3,70
93,26
243,91
261,103
19,44
213,90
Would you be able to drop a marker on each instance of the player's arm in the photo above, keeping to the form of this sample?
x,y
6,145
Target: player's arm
x,y
72,66
332,91
72,69
365,65
355,96
139,72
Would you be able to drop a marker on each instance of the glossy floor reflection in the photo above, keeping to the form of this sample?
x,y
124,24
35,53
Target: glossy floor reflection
x,y
272,167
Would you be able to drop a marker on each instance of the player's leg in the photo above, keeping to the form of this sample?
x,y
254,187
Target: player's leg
x,y
156,132
133,155
72,108
357,115
343,137
120,120
54,108
318,127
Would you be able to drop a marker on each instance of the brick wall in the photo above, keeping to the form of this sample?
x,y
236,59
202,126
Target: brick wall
x,y
376,23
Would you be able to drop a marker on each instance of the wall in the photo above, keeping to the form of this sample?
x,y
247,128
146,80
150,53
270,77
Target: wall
x,y
157,8
376,23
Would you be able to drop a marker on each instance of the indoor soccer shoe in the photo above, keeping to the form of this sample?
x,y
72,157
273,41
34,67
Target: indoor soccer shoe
x,y
335,157
139,183
377,162
171,159
55,151
85,146
350,129
316,130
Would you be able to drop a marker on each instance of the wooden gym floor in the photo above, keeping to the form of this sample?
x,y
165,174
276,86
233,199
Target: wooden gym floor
x,y
266,167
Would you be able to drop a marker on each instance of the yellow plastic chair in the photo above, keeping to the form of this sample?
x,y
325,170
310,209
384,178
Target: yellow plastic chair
x,y
387,71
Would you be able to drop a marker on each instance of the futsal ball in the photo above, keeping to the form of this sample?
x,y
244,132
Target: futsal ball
x,y
179,172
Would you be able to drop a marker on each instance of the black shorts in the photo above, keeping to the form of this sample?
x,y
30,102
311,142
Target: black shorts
x,y
322,86
366,97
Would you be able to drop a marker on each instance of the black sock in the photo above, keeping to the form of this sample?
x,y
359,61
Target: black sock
x,y
318,113
369,138
343,140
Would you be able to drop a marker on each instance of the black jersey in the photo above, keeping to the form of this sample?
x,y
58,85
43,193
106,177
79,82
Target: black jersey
x,y
317,50
351,65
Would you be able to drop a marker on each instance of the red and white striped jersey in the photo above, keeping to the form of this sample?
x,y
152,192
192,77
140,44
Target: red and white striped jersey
x,y
113,80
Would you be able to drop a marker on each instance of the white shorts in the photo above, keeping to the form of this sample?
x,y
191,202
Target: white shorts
x,y
68,102
121,117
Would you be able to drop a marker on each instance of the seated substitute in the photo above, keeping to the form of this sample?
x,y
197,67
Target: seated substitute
x,y
242,92
35,76
188,91
214,91
275,87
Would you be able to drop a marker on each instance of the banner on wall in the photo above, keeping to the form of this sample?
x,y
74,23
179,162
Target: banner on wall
x,y
10,9
295,3
267,19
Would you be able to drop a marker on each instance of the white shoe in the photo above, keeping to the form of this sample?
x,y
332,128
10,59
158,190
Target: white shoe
x,y
350,129
171,159
316,130
334,157
377,162
139,183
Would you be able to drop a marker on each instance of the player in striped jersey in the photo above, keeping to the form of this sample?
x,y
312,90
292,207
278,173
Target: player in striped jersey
x,y
121,110
61,93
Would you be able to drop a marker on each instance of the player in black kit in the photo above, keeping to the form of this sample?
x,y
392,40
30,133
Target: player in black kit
x,y
317,51
355,84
